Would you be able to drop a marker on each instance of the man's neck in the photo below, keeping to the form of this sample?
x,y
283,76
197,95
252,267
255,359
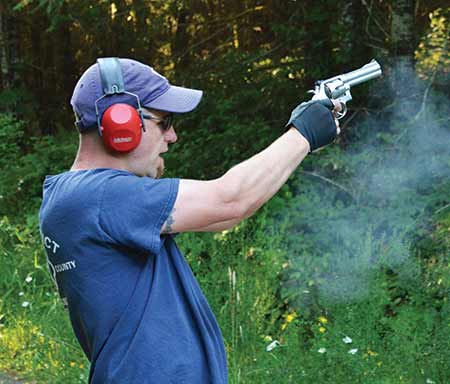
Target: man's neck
x,y
92,155
82,162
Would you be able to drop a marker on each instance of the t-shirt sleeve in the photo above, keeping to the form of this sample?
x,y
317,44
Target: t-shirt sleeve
x,y
134,209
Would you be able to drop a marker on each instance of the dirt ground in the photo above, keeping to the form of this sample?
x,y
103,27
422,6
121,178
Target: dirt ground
x,y
9,380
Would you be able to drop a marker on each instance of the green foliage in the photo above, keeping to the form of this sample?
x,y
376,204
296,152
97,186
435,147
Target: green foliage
x,y
11,137
25,162
35,335
216,124
433,54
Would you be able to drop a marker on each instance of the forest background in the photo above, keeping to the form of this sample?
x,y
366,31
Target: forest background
x,y
344,276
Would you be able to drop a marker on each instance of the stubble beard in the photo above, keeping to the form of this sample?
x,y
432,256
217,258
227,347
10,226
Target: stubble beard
x,y
160,169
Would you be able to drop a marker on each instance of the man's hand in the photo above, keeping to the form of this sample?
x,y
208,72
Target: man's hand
x,y
338,107
316,121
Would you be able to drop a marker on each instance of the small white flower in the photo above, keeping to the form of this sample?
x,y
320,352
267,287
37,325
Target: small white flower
x,y
353,351
25,304
272,345
347,340
429,381
21,293
29,279
322,350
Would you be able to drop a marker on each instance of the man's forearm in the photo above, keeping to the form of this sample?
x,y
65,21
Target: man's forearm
x,y
251,183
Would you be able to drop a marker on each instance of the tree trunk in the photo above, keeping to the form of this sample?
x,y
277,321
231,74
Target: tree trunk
x,y
403,36
8,55
180,48
63,63
354,37
403,77
3,52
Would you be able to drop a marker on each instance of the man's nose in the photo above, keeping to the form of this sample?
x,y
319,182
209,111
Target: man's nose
x,y
170,135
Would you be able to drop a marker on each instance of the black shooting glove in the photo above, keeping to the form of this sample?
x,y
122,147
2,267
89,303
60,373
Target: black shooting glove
x,y
315,121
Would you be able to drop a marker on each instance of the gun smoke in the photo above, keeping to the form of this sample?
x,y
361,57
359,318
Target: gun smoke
x,y
363,218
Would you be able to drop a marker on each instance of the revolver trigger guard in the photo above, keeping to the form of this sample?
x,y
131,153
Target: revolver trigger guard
x,y
341,114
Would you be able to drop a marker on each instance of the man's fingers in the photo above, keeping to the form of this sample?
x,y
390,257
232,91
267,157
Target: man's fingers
x,y
337,106
338,129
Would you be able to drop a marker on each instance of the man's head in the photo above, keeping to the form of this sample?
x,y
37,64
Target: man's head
x,y
146,159
138,84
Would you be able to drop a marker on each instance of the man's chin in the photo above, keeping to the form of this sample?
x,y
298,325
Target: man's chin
x,y
157,170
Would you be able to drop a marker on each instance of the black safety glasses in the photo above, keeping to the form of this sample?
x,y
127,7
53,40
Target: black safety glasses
x,y
165,122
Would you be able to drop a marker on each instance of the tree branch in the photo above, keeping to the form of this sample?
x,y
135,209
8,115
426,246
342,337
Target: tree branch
x,y
425,94
442,209
190,48
371,16
346,190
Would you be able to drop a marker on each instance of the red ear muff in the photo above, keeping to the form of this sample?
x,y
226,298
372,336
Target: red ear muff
x,y
121,128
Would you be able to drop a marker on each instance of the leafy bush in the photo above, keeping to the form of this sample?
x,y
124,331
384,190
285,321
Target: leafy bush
x,y
11,138
25,162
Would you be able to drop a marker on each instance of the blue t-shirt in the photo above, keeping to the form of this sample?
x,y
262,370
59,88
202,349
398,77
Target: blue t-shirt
x,y
135,306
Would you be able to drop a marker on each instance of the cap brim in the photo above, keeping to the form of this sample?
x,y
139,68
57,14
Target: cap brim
x,y
177,100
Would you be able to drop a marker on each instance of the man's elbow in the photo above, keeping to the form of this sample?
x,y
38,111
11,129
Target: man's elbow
x,y
230,215
236,206
236,212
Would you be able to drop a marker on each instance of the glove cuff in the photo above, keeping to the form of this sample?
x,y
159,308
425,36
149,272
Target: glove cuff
x,y
315,122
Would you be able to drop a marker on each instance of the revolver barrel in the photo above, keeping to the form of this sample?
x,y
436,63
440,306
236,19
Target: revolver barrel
x,y
338,87
367,72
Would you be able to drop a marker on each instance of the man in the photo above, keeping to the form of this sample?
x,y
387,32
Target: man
x,y
107,225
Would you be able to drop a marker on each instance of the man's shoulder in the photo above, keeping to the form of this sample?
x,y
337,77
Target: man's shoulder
x,y
131,186
83,187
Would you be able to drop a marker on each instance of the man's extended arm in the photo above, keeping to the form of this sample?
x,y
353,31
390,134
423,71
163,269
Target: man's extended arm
x,y
222,203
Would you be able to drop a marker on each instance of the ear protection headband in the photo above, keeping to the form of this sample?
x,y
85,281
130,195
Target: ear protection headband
x,y
121,124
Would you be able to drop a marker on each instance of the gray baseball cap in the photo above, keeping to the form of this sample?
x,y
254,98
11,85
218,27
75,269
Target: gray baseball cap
x,y
154,91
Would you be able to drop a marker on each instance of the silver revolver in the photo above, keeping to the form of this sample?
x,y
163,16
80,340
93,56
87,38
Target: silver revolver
x,y
338,87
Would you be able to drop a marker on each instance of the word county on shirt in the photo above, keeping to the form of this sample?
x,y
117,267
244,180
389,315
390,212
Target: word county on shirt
x,y
65,266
